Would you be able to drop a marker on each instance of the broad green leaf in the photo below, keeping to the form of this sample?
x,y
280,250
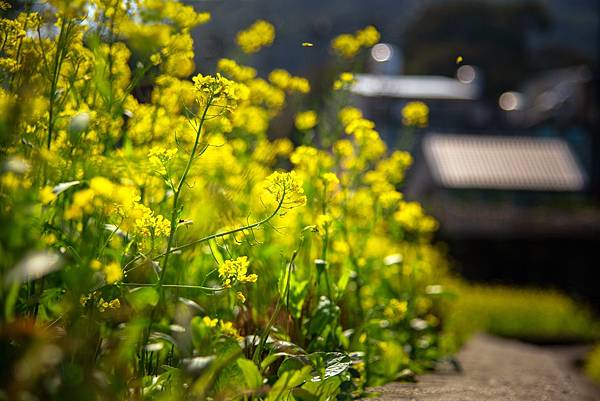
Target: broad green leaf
x,y
140,298
251,373
323,390
286,382
329,364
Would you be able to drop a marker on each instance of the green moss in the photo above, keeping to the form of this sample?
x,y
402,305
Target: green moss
x,y
592,365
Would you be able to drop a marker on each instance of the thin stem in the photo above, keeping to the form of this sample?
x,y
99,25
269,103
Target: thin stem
x,y
212,236
192,287
225,233
175,211
58,59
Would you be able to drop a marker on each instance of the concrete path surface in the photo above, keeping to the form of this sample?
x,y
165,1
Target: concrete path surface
x,y
500,370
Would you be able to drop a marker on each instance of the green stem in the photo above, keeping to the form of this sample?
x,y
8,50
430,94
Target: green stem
x,y
213,236
191,287
175,211
225,233
58,59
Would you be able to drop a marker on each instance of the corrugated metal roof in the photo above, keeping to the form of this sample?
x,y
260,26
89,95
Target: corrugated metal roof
x,y
497,162
414,87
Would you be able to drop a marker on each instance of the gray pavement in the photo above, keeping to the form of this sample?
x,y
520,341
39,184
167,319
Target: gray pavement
x,y
497,369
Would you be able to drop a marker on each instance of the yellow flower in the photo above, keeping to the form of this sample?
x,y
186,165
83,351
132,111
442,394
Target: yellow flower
x,y
10,180
330,179
255,37
113,272
345,45
236,270
285,188
49,238
306,120
47,195
208,322
411,217
235,70
95,264
219,87
396,309
159,158
323,223
345,80
349,114
228,330
101,186
280,78
299,84
145,223
390,199
415,114
368,36
348,46
240,296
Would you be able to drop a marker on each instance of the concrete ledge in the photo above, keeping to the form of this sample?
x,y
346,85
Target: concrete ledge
x,y
500,370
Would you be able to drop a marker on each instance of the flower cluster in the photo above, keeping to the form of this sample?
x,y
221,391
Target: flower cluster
x,y
218,87
101,114
306,120
344,81
415,114
256,36
159,158
411,217
105,197
285,189
233,271
286,81
112,271
236,71
348,46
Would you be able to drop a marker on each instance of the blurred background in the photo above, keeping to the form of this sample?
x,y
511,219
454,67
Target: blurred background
x,y
509,163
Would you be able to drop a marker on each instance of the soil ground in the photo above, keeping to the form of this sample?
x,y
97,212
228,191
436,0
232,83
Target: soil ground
x,y
496,369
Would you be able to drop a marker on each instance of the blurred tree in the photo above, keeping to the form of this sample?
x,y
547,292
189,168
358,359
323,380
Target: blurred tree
x,y
491,36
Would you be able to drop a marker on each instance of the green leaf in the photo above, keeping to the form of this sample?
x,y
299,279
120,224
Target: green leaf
x,y
205,382
251,373
324,364
286,382
323,390
140,298
324,316
343,281
329,364
297,292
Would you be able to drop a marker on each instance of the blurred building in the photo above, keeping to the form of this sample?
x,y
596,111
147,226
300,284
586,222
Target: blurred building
x,y
509,181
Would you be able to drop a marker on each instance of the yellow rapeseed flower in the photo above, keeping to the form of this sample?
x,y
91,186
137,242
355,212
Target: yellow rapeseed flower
x,y
113,272
345,45
415,114
255,37
285,188
233,271
47,195
306,120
